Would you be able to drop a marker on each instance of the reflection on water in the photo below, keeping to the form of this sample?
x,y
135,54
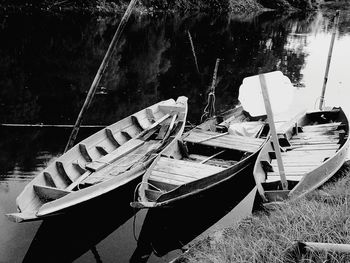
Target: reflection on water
x,y
47,65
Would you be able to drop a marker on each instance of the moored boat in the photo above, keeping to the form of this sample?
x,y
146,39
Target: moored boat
x,y
108,159
314,146
206,156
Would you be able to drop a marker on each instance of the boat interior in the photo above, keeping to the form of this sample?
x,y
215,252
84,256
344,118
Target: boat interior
x,y
106,153
306,143
200,154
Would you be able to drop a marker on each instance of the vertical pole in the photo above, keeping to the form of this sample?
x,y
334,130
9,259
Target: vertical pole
x,y
99,74
273,132
335,25
212,89
193,51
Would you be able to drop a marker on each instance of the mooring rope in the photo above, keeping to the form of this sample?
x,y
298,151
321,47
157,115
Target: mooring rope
x,y
135,214
209,110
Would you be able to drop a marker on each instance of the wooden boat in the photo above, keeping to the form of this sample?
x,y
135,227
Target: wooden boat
x,y
314,146
108,159
200,160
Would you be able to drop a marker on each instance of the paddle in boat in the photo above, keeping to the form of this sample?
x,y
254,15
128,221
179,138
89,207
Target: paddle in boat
x,y
208,155
108,159
313,147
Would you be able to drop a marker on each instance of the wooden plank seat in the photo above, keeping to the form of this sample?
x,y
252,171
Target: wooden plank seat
x,y
271,179
316,147
113,156
177,172
123,163
226,141
321,127
292,171
212,161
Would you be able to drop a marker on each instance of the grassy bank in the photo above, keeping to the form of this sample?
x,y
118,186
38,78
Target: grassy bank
x,y
322,216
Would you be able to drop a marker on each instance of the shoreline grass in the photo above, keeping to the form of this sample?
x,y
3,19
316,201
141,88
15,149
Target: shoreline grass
x,y
270,236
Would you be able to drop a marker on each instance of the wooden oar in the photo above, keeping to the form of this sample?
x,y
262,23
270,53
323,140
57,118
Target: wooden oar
x,y
213,137
271,121
211,157
171,126
117,156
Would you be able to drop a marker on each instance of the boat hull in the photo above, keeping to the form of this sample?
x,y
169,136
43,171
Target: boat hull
x,y
107,160
312,179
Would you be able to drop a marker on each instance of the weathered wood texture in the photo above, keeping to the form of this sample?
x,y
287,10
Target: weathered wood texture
x,y
227,141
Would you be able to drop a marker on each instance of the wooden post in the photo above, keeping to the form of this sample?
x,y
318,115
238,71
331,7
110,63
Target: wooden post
x,y
212,90
273,132
193,51
335,25
342,248
99,74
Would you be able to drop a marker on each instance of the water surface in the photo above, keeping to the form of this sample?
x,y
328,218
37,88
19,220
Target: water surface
x,y
47,66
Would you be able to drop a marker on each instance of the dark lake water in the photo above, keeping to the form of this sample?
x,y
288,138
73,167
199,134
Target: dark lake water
x,y
47,64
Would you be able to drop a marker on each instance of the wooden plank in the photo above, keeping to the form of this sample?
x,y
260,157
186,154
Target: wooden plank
x,y
180,174
116,154
294,169
47,193
173,177
162,131
166,186
271,179
166,180
234,139
314,136
154,125
294,173
171,126
305,143
78,181
238,146
212,156
202,135
295,162
213,161
321,126
186,165
212,137
166,108
273,131
316,147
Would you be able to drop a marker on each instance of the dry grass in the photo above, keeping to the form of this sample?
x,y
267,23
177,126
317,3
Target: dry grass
x,y
322,216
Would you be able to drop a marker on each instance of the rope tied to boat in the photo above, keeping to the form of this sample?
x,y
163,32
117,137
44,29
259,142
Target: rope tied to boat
x,y
134,217
209,110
